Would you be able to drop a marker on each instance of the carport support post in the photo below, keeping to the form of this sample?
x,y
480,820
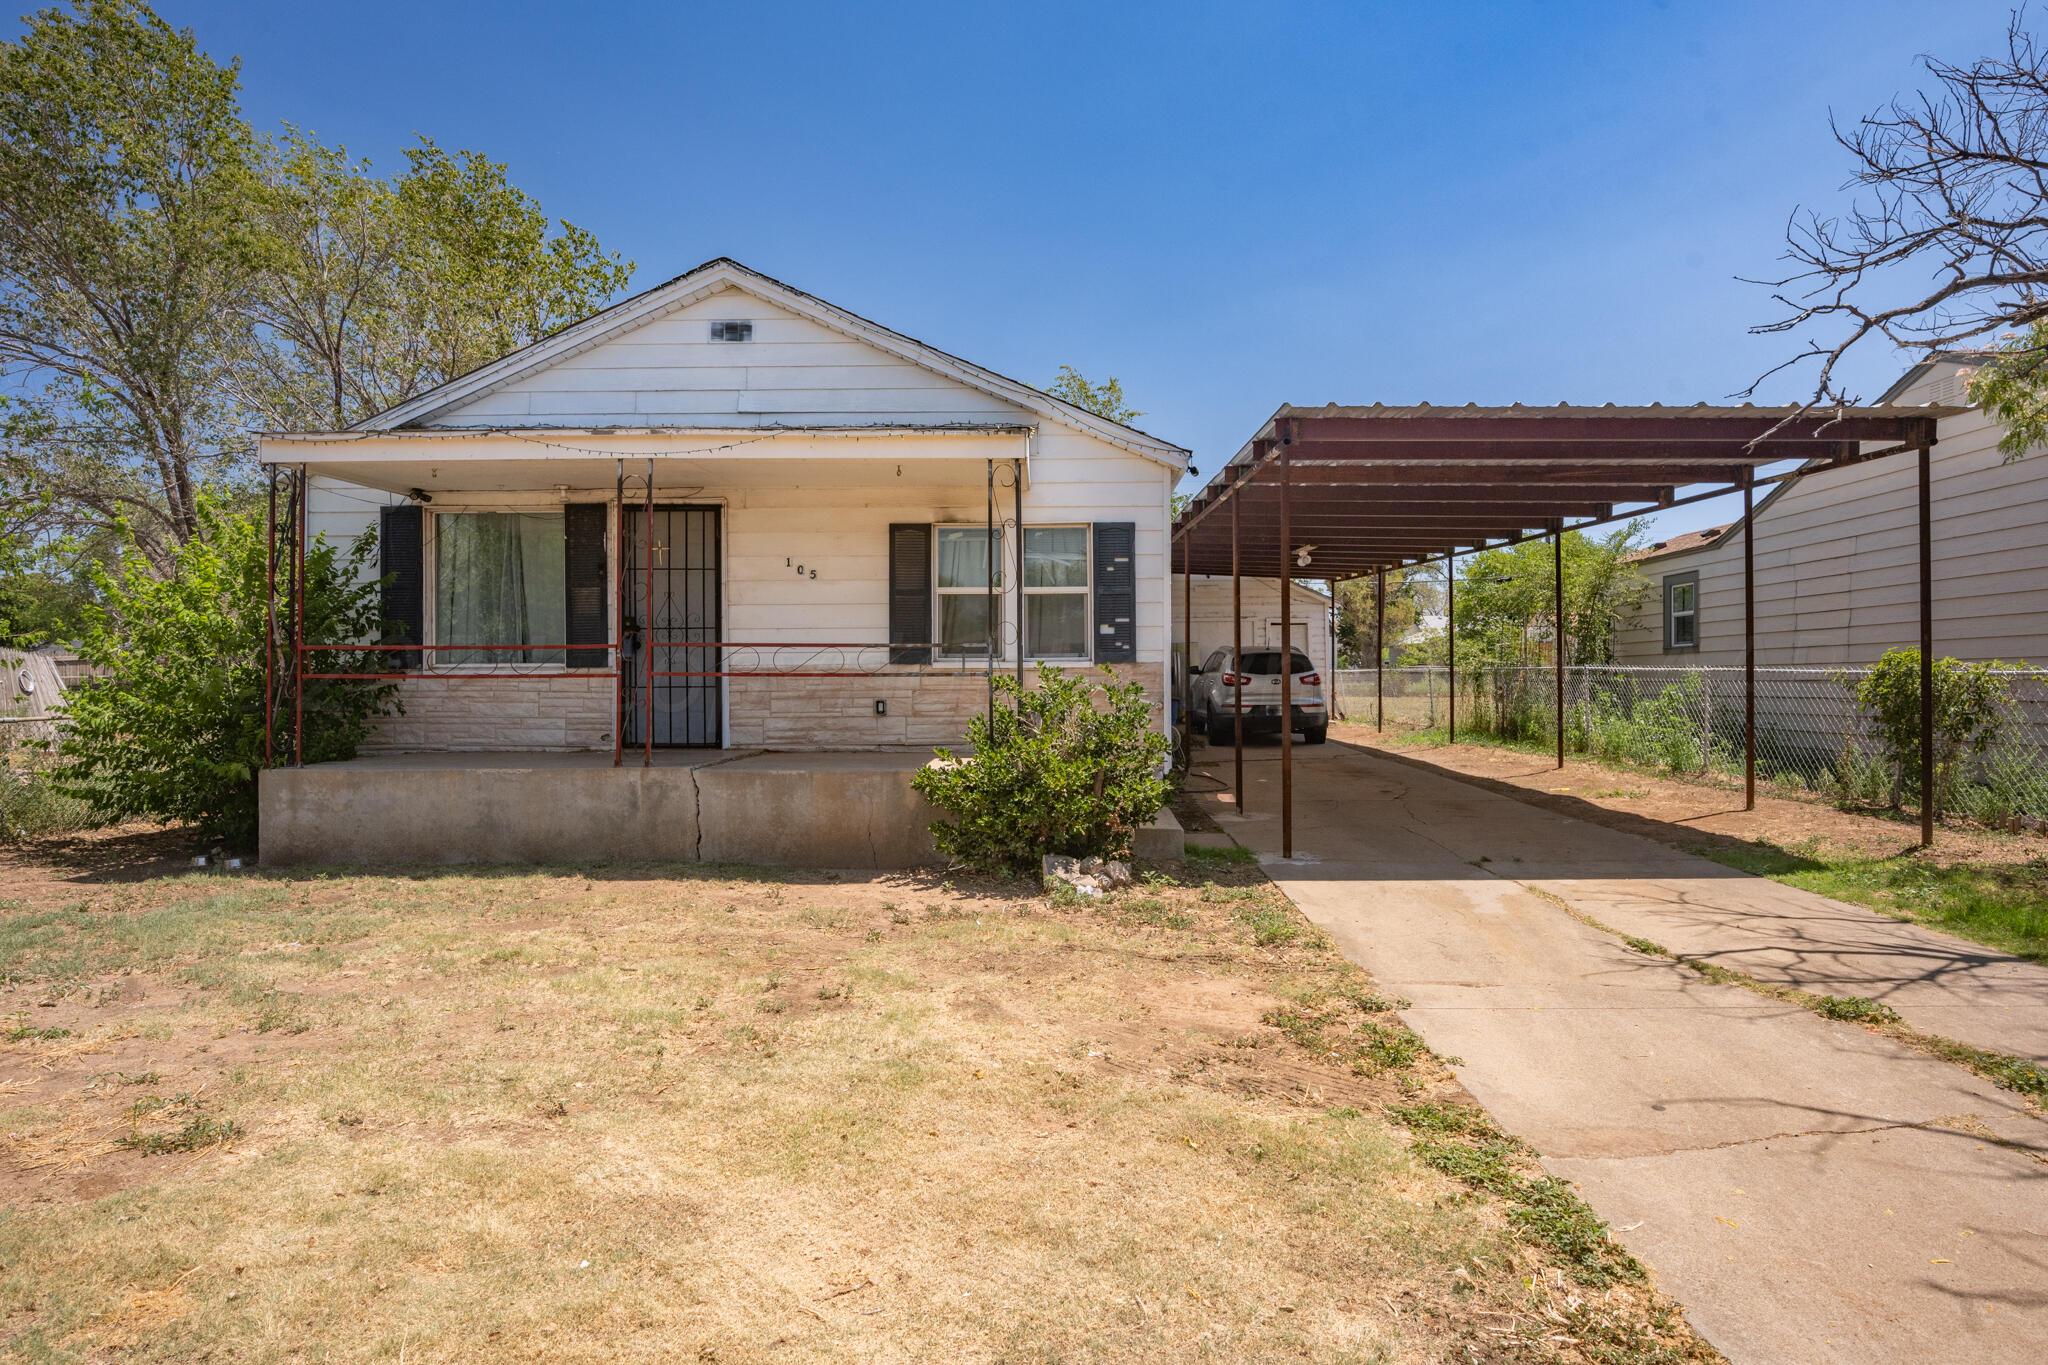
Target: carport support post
x,y
1236,659
1286,661
1187,637
1926,647
1451,638
1379,649
1557,625
1748,640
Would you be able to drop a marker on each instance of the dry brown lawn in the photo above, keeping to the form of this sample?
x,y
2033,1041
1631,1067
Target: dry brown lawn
x,y
689,1114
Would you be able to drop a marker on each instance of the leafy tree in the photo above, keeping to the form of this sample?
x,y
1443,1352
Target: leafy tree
x,y
1357,602
374,291
1054,769
125,256
1969,703
1505,607
2011,383
45,586
174,728
1104,400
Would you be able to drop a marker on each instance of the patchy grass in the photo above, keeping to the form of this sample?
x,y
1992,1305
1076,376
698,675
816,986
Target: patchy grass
x,y
704,1114
2002,905
1854,1009
1235,855
1465,1145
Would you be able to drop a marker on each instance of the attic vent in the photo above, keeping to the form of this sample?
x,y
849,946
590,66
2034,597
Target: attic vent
x,y
732,331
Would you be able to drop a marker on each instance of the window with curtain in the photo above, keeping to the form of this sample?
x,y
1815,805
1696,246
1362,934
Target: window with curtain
x,y
499,579
968,618
1056,591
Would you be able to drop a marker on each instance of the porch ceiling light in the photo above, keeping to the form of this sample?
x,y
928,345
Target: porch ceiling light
x,y
1301,556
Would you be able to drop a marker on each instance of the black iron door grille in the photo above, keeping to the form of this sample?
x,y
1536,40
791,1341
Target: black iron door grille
x,y
688,710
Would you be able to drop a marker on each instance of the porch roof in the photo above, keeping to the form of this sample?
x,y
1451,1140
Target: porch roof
x,y
531,459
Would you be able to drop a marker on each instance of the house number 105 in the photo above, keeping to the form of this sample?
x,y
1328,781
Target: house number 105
x,y
801,571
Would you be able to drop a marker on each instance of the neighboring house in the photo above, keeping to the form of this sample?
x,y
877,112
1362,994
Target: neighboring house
x,y
823,494
1837,567
1259,602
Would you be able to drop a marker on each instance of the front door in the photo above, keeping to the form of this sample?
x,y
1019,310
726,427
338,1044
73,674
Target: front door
x,y
688,710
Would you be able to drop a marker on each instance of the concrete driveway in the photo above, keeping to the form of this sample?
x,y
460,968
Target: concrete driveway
x,y
1809,1190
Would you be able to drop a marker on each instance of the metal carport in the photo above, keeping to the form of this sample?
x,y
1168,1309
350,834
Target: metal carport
x,y
1338,493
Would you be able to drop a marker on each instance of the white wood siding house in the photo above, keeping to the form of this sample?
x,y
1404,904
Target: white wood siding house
x,y
1837,576
828,481
723,515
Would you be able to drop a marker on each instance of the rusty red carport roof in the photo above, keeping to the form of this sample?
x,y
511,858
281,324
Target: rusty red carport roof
x,y
1381,486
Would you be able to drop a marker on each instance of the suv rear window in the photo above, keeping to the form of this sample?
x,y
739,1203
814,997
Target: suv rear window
x,y
1268,661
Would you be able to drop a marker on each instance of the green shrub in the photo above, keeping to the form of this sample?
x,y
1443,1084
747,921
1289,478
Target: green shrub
x,y
1969,700
173,730
1061,767
1661,733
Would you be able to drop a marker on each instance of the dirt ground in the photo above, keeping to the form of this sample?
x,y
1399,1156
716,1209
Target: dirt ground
x,y
1694,815
718,1114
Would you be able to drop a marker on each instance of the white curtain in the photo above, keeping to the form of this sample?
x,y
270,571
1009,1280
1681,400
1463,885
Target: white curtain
x,y
498,580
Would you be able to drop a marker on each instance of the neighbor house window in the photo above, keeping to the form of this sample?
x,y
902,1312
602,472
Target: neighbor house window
x,y
1682,611
499,580
1056,591
970,619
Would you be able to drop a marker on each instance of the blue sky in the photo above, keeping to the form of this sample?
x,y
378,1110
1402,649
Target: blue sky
x,y
1226,206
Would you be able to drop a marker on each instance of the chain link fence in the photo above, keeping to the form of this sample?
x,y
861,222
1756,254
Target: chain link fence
x,y
1812,737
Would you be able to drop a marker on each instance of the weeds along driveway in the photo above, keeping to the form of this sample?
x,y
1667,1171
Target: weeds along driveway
x,y
1811,1190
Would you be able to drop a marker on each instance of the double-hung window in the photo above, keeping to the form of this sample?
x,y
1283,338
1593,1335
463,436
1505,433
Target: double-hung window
x,y
499,580
1682,611
1056,592
970,616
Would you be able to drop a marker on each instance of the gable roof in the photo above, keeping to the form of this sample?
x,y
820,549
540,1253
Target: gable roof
x,y
1679,544
725,273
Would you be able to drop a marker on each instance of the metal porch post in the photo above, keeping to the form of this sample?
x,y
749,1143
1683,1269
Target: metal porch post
x,y
270,622
989,649
647,625
1017,488
1379,649
1927,810
619,615
299,619
1236,659
1557,621
1451,639
1286,660
1748,640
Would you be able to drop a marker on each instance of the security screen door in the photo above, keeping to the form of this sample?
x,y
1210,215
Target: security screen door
x,y
687,711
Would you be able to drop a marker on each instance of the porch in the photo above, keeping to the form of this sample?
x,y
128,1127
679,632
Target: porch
x,y
852,809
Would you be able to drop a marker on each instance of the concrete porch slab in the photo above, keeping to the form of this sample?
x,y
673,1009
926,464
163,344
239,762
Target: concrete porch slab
x,y
854,810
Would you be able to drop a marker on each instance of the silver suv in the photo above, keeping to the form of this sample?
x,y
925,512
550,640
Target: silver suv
x,y
1215,696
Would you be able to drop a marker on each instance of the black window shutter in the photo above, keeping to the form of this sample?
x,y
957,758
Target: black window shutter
x,y
910,592
584,581
1116,592
401,564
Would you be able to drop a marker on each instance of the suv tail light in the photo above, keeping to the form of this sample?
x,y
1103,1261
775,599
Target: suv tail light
x,y
1236,679
1312,679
